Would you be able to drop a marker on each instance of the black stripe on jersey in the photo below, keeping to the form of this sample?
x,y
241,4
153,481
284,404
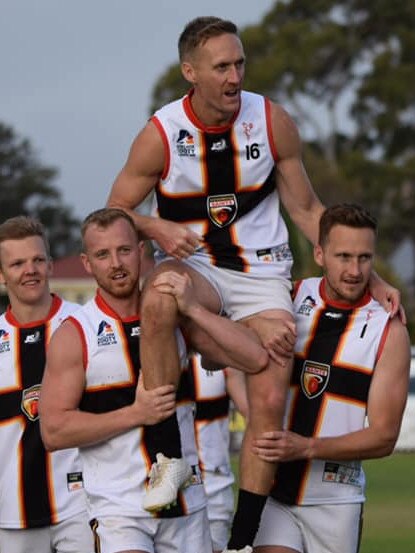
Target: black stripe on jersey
x,y
220,170
342,381
10,404
212,409
36,484
111,398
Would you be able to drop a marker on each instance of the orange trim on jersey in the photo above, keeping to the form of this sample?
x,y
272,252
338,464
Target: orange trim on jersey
x,y
51,489
343,399
236,163
271,138
127,357
188,109
108,310
198,426
20,484
312,334
82,336
342,305
337,357
165,140
54,307
383,340
234,238
295,392
303,486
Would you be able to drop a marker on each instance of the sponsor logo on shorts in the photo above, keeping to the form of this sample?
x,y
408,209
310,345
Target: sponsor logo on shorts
x,y
185,144
105,334
275,255
222,209
314,378
30,402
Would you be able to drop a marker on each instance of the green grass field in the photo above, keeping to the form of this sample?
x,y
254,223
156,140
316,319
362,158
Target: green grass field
x,y
389,515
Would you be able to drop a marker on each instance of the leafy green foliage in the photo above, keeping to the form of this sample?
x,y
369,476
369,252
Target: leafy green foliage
x,y
344,70
26,189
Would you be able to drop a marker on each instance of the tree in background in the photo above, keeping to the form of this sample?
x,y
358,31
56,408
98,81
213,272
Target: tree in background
x,y
344,70
26,189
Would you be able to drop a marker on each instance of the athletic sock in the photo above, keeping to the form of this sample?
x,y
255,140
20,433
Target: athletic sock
x,y
247,519
164,437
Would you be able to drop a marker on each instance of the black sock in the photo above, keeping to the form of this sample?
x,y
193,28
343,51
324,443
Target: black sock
x,y
164,437
246,520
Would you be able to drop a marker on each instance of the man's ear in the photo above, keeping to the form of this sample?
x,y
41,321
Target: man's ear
x,y
188,72
318,255
85,263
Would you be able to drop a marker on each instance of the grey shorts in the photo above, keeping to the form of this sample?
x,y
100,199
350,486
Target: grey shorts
x,y
72,535
242,294
186,534
311,528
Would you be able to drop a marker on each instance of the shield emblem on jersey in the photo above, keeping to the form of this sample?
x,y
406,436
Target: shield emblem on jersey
x,y
30,402
314,378
222,209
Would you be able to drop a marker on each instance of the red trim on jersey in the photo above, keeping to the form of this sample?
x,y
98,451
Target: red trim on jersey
x,y
165,140
108,310
296,287
54,308
364,300
271,138
188,109
383,340
82,336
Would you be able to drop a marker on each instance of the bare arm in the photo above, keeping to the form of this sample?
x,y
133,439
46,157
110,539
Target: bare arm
x,y
62,424
386,403
302,203
294,187
137,179
217,338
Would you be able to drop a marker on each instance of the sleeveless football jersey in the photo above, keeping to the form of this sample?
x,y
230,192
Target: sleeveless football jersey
x,y
37,488
335,354
220,182
115,470
212,424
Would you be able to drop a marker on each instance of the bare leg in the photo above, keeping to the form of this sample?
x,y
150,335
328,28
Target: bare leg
x,y
160,364
159,319
267,392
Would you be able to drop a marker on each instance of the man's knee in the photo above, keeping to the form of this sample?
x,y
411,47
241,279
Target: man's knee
x,y
158,310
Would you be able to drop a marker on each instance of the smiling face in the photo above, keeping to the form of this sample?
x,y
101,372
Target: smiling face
x,y
112,255
347,261
25,270
216,70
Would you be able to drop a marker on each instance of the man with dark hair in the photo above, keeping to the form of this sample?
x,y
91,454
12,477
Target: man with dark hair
x,y
220,161
93,398
351,360
42,501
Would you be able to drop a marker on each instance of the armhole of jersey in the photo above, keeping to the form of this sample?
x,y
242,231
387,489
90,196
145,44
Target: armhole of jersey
x,y
164,138
81,333
383,340
295,289
270,134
